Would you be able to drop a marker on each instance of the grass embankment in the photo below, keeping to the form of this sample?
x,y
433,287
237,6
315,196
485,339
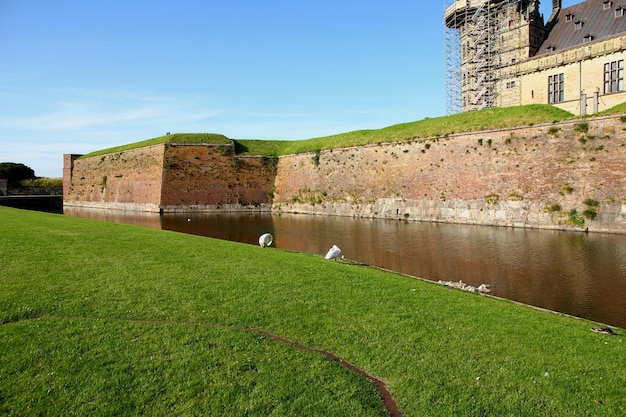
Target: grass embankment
x,y
44,182
185,138
495,118
112,319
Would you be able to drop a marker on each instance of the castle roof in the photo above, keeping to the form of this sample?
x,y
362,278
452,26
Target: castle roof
x,y
584,22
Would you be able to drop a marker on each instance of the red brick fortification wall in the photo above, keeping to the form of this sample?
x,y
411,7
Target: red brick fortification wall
x,y
211,177
168,178
128,180
526,177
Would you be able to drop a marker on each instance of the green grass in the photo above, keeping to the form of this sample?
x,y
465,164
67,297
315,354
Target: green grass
x,y
111,319
619,109
43,182
495,118
186,138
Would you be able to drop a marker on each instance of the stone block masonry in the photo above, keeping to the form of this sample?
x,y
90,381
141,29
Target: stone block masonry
x,y
569,175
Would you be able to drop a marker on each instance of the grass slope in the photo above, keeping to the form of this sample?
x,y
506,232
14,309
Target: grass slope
x,y
495,118
112,319
186,138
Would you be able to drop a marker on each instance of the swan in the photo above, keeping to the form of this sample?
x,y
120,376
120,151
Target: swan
x,y
265,240
333,253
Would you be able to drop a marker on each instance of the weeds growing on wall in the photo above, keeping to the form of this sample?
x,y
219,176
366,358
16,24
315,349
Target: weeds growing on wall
x,y
582,127
575,218
316,158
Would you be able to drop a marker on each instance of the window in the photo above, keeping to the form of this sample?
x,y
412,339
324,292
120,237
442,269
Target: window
x,y
619,12
555,88
578,24
510,84
550,49
569,17
587,38
607,5
614,77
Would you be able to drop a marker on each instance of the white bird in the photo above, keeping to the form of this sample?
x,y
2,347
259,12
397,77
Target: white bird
x,y
333,253
266,240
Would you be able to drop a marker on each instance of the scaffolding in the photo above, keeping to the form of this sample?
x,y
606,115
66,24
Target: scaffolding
x,y
452,56
482,51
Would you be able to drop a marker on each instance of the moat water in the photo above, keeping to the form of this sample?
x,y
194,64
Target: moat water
x,y
579,274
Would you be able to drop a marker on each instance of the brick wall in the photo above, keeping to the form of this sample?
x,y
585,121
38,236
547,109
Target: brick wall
x,y
208,177
513,177
527,177
127,180
170,178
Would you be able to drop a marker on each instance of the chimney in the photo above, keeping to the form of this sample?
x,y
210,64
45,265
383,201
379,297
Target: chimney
x,y
556,8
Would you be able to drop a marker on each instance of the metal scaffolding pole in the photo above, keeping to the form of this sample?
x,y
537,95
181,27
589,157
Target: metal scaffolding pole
x,y
452,56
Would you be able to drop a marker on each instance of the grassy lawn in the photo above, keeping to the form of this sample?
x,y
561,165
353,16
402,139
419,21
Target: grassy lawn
x,y
110,319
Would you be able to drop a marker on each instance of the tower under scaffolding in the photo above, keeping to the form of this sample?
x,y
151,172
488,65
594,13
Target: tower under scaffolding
x,y
484,43
452,57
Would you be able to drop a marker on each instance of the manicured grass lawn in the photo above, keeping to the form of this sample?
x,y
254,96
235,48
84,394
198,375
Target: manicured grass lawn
x,y
112,319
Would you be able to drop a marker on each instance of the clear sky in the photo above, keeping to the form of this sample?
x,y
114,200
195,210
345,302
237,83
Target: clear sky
x,y
82,75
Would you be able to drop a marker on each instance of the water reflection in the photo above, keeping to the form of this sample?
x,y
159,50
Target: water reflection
x,y
579,274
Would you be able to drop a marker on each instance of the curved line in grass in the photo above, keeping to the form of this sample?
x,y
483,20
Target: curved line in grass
x,y
388,401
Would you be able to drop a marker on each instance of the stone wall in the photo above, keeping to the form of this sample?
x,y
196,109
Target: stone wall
x,y
569,175
170,177
206,178
121,180
525,177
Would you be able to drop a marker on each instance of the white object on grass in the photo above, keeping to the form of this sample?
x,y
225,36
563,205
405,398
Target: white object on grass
x,y
333,253
266,240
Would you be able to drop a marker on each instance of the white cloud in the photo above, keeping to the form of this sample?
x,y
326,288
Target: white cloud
x,y
82,110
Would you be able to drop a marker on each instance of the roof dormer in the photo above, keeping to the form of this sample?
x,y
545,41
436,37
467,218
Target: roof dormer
x,y
607,4
578,24
569,17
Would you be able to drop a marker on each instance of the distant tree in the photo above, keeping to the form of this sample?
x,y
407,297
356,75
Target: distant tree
x,y
15,172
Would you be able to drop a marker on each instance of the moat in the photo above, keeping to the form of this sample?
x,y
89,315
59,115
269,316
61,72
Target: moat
x,y
579,274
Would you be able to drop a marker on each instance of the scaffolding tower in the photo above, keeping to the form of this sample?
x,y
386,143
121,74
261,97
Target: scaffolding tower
x,y
452,56
482,51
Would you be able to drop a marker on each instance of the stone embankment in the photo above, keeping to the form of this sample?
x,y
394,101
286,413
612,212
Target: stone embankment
x,y
569,175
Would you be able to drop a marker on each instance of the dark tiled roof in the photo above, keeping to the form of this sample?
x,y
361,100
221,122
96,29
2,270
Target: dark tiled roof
x,y
589,18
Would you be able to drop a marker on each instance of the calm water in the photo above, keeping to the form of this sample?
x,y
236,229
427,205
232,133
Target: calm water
x,y
574,273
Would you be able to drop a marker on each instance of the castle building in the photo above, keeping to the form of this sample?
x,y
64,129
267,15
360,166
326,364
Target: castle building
x,y
504,54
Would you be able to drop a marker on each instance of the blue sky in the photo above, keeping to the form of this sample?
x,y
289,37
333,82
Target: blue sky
x,y
82,75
